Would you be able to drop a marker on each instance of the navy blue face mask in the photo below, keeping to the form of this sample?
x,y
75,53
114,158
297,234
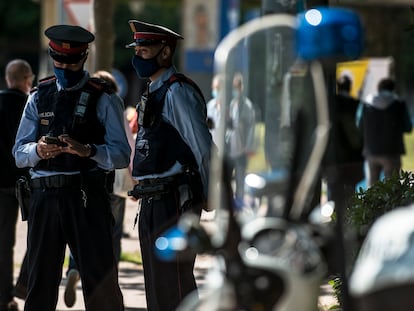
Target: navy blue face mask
x,y
145,68
68,78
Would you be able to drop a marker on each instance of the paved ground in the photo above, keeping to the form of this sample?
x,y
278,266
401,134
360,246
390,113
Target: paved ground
x,y
130,275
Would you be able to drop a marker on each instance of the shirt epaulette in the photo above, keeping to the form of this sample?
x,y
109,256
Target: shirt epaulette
x,y
100,85
43,82
47,79
179,77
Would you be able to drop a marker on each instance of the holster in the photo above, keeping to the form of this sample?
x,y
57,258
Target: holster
x,y
148,190
23,196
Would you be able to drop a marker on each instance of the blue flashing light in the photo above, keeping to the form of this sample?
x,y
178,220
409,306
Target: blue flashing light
x,y
329,32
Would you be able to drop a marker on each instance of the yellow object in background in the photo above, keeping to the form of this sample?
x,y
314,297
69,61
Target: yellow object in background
x,y
365,74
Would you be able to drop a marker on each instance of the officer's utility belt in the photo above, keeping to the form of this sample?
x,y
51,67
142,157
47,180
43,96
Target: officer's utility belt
x,y
92,178
56,181
153,187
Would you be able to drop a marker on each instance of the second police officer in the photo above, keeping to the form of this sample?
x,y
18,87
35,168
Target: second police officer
x,y
172,159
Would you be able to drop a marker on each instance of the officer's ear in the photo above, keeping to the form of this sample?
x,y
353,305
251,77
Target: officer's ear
x,y
82,61
166,52
85,57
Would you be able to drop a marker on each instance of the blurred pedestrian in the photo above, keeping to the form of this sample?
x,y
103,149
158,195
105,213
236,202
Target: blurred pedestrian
x,y
214,106
240,133
171,163
72,137
383,119
19,79
344,163
342,167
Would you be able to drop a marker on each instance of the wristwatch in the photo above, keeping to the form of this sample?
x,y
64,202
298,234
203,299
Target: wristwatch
x,y
92,149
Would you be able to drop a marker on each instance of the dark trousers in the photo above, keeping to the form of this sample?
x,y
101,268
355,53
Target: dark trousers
x,y
239,164
382,164
118,212
58,216
341,186
23,274
8,219
166,283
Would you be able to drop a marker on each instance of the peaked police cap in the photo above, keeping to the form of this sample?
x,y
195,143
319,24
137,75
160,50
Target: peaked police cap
x,y
68,43
150,34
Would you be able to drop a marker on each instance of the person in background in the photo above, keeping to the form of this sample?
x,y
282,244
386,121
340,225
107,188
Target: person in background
x,y
214,105
171,162
118,198
72,137
240,133
118,202
383,119
19,79
343,165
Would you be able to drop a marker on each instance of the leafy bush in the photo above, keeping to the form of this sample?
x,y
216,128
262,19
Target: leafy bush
x,y
367,205
336,284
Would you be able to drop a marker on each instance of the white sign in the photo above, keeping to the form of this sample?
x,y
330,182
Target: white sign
x,y
79,12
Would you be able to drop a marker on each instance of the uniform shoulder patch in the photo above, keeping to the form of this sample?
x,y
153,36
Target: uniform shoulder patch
x,y
45,82
47,79
100,85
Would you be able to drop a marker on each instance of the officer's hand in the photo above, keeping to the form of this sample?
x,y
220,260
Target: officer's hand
x,y
47,150
75,147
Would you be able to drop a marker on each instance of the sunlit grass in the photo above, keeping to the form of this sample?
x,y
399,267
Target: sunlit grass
x,y
134,257
408,158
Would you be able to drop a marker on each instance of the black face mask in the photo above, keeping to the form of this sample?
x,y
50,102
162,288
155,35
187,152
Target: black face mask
x,y
145,68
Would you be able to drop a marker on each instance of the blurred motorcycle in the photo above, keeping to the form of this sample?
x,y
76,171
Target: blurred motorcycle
x,y
383,277
273,245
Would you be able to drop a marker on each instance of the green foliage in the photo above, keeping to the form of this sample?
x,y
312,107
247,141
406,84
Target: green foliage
x,y
19,19
336,284
134,257
367,205
19,35
383,196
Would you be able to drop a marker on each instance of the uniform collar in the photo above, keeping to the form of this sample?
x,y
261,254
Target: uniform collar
x,y
156,84
77,86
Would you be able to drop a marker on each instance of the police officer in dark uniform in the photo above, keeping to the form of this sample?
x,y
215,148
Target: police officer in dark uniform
x,y
72,137
172,157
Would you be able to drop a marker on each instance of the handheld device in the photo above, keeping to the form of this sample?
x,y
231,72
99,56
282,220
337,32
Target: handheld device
x,y
54,140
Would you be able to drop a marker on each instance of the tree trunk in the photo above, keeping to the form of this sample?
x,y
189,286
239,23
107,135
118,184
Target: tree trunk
x,y
103,20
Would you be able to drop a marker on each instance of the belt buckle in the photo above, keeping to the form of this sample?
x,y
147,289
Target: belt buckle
x,y
47,182
60,181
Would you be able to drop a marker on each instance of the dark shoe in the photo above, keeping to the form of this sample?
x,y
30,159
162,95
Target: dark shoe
x,y
70,289
10,306
20,291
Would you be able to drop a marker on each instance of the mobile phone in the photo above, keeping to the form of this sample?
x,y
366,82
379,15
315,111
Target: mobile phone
x,y
54,140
